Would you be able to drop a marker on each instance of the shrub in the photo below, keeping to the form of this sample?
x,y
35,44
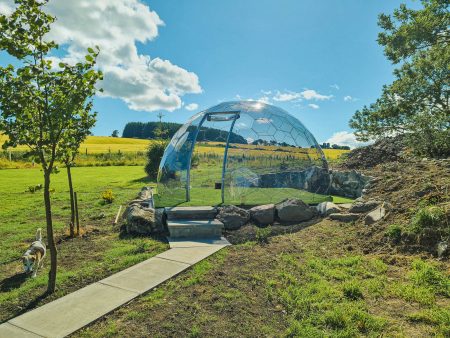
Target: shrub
x,y
154,154
263,234
108,196
394,232
428,217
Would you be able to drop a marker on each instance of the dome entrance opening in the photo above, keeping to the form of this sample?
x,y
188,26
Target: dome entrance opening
x,y
242,153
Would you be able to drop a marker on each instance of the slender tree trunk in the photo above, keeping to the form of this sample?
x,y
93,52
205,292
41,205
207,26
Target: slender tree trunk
x,y
51,240
72,203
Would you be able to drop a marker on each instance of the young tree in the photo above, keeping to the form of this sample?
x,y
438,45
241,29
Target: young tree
x,y
417,102
42,106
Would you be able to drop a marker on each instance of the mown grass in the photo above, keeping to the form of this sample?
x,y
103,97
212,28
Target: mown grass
x,y
82,260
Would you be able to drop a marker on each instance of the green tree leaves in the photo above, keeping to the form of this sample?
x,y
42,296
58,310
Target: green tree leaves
x,y
417,102
48,109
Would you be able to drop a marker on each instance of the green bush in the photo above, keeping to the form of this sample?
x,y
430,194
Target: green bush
x,y
428,217
154,154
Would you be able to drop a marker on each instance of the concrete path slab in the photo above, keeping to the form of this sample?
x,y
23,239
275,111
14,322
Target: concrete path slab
x,y
190,255
80,308
69,313
8,330
146,275
194,242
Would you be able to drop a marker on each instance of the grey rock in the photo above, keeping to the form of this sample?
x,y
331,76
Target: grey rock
x,y
442,249
314,179
263,214
360,207
326,208
141,220
294,210
233,217
348,183
344,217
375,215
144,194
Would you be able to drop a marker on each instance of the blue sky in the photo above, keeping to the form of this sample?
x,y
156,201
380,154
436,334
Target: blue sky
x,y
317,59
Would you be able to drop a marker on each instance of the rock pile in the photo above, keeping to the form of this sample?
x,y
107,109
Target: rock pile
x,y
139,218
374,210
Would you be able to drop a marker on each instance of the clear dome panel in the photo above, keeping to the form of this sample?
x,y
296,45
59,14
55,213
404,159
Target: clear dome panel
x,y
242,153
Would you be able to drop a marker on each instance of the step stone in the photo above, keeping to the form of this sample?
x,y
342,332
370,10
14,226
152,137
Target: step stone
x,y
199,213
188,228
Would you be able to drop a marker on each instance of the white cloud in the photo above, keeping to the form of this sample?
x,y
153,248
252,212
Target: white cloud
x,y
144,83
191,106
349,98
345,138
288,96
335,86
263,99
311,94
313,106
308,94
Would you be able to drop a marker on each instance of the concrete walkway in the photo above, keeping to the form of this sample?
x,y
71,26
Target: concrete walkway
x,y
76,310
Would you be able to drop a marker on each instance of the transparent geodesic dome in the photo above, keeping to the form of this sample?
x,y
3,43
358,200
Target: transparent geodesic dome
x,y
241,153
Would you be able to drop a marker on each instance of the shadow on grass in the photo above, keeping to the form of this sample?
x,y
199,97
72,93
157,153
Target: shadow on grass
x,y
13,282
159,238
144,179
249,232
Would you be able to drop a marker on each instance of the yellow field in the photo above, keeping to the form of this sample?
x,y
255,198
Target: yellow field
x,y
104,144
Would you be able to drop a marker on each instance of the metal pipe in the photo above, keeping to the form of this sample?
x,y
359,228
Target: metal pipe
x,y
225,156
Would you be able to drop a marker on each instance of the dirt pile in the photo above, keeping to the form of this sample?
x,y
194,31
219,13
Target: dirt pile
x,y
418,192
386,150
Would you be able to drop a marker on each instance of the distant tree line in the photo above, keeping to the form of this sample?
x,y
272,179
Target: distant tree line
x,y
327,145
154,130
146,130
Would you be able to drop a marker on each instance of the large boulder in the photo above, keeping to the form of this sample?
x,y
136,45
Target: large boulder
x,y
348,183
326,208
263,214
346,218
233,217
361,206
294,210
375,215
143,221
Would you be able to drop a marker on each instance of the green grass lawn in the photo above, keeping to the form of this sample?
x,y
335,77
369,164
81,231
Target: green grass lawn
x,y
206,174
82,260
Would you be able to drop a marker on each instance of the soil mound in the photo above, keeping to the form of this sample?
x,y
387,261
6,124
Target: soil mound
x,y
389,149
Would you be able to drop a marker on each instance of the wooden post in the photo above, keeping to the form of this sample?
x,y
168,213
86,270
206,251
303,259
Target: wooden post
x,y
118,214
76,213
86,151
9,154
